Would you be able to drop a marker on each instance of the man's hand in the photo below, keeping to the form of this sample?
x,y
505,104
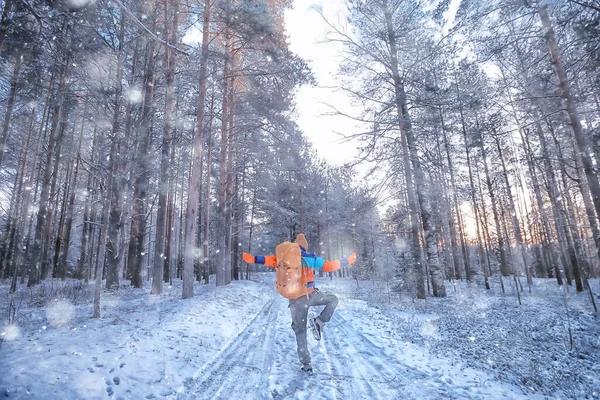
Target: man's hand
x,y
249,258
352,258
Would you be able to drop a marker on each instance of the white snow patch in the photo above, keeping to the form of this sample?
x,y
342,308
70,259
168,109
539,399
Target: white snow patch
x,y
10,332
60,313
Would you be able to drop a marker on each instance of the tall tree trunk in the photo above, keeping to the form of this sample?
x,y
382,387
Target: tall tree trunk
x,y
513,213
194,185
114,249
471,185
56,271
570,107
571,218
5,21
504,264
83,266
232,174
168,273
455,202
486,264
102,244
564,236
9,104
24,196
545,225
53,198
206,244
36,257
139,215
163,185
403,124
223,269
64,254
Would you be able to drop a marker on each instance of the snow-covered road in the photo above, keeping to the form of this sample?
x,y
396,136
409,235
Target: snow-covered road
x,y
261,363
236,342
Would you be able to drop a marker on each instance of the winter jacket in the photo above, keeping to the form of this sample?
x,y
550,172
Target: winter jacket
x,y
310,262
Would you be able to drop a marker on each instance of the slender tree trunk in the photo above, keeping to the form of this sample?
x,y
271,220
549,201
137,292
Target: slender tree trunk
x,y
486,264
504,264
53,199
139,215
206,244
564,236
194,185
545,225
163,185
10,102
36,258
570,107
232,175
168,273
64,254
472,187
223,270
404,125
5,22
113,249
83,265
513,213
56,271
24,196
571,218
102,244
453,204
182,199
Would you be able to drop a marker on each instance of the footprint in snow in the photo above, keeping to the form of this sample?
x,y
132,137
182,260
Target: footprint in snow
x,y
117,380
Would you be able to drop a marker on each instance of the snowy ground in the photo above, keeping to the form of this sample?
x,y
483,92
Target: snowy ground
x,y
235,342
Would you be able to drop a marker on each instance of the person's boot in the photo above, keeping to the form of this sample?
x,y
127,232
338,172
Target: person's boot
x,y
316,326
307,368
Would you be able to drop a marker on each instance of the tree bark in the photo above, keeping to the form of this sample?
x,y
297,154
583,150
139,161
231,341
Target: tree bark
x,y
206,244
504,262
194,185
513,213
570,107
83,265
139,215
113,249
10,103
404,125
36,258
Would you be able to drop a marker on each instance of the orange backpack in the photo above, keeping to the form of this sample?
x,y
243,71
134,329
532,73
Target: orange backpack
x,y
289,271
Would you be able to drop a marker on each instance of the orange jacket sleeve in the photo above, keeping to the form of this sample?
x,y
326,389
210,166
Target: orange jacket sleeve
x,y
331,266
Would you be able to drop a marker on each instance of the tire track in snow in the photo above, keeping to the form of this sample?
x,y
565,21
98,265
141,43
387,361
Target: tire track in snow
x,y
364,367
243,366
349,364
351,381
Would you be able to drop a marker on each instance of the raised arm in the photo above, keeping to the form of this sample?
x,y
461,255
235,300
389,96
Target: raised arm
x,y
312,261
269,261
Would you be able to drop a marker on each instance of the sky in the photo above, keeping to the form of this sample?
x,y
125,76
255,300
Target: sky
x,y
307,32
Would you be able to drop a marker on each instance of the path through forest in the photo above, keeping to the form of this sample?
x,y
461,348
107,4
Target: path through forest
x,y
236,342
261,363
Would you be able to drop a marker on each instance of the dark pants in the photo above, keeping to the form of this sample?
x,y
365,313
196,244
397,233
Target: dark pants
x,y
299,310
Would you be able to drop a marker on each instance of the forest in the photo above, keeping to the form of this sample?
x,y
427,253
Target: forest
x,y
145,144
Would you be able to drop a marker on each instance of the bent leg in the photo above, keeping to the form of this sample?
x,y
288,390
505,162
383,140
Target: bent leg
x,y
330,301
